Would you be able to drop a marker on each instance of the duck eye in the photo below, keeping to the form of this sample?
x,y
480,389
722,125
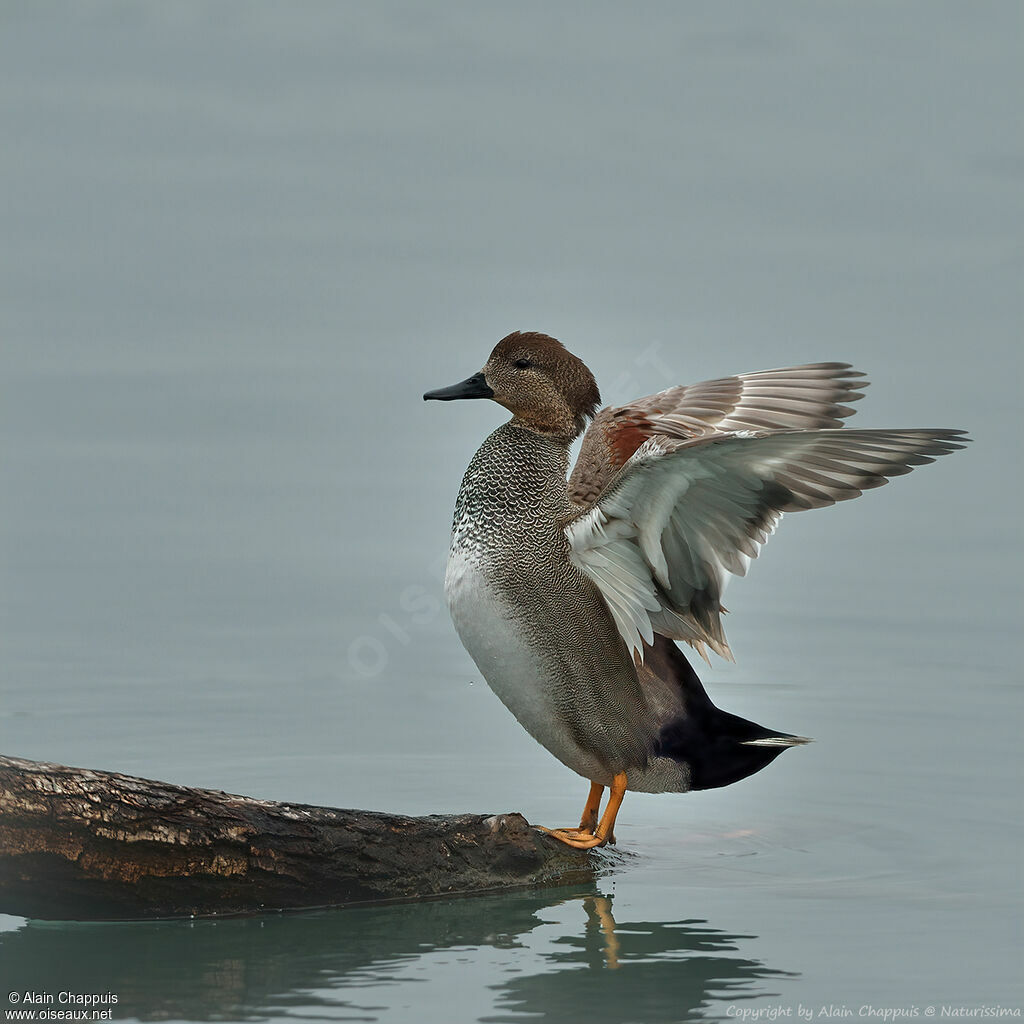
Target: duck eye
x,y
522,364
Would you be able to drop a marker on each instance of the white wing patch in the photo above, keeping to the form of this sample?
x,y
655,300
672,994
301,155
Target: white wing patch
x,y
680,517
606,551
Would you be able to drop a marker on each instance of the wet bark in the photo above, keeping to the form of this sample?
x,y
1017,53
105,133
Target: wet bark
x,y
77,844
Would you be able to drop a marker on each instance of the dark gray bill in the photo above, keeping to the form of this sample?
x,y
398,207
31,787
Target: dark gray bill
x,y
472,387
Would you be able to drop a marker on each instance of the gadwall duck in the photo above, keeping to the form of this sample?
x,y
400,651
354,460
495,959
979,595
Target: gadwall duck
x,y
569,594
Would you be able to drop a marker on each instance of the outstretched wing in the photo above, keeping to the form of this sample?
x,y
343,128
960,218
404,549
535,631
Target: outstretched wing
x,y
662,539
791,398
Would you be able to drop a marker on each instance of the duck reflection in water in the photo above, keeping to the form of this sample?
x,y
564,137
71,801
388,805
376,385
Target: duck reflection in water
x,y
599,916
637,970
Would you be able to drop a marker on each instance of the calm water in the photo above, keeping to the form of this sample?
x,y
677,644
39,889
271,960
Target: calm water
x,y
240,240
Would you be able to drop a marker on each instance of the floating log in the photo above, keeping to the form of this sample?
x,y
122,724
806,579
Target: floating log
x,y
84,845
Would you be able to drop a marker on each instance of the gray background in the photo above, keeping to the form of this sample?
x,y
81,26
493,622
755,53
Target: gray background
x,y
239,242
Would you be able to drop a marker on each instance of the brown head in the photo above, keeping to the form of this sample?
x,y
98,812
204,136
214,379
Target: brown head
x,y
546,388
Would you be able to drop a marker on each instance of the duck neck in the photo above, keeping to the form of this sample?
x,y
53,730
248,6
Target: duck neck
x,y
517,479
557,422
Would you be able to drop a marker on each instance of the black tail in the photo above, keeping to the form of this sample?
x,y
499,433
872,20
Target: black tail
x,y
719,748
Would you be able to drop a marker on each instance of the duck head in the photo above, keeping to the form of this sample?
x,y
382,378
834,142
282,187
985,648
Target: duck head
x,y
546,388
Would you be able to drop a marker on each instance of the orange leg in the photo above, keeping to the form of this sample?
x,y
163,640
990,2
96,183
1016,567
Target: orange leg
x,y
587,835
